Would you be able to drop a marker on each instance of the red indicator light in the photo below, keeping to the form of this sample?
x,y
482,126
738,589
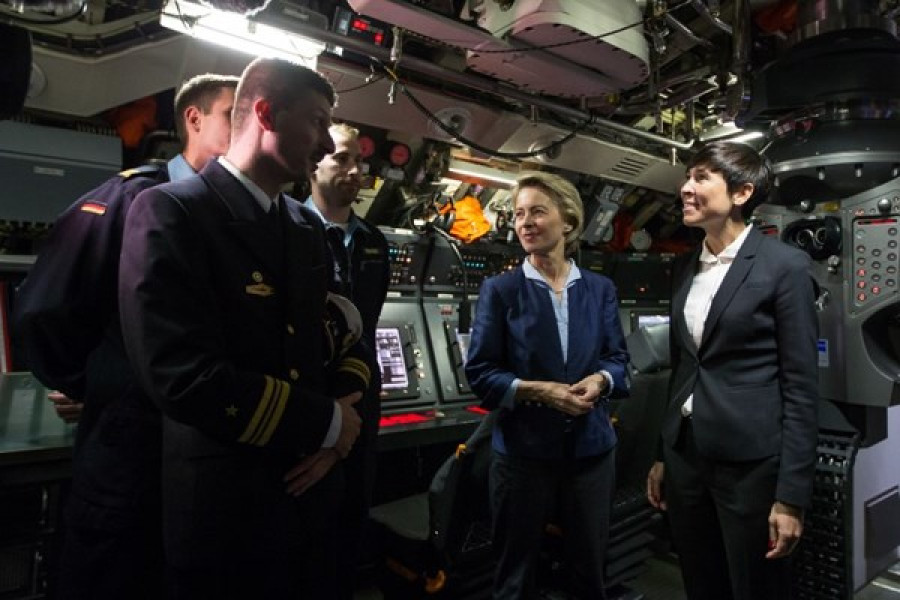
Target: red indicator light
x,y
379,37
477,410
861,297
401,419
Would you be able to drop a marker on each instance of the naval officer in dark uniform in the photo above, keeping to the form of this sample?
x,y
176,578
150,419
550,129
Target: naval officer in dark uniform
x,y
361,273
222,288
68,320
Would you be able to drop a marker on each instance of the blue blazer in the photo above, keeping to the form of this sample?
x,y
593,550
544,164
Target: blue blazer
x,y
515,335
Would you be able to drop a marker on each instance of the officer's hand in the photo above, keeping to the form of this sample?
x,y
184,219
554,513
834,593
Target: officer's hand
x,y
785,529
310,470
66,409
655,486
350,424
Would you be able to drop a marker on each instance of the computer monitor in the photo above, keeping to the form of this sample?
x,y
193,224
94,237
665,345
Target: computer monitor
x,y
391,359
645,320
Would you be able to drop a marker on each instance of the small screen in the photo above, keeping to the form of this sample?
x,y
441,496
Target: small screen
x,y
647,320
463,340
389,349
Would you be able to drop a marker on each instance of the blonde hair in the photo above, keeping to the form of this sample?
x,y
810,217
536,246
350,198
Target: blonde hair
x,y
344,131
564,196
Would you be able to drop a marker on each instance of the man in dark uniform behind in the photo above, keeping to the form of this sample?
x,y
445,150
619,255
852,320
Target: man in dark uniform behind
x,y
362,274
222,288
67,316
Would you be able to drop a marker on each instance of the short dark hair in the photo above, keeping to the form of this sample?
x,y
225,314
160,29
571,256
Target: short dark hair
x,y
738,164
200,91
279,81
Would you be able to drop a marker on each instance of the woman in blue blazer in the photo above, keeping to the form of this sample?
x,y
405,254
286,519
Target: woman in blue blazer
x,y
547,351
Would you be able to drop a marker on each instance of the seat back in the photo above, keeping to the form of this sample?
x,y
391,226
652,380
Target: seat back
x,y
458,499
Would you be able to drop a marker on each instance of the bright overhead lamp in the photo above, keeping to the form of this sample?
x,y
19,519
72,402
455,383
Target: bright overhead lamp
x,y
481,172
730,132
264,34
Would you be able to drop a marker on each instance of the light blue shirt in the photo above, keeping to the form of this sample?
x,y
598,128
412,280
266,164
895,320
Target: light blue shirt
x,y
561,312
352,225
178,168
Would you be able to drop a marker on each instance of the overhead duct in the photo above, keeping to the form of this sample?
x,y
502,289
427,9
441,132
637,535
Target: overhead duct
x,y
510,44
591,155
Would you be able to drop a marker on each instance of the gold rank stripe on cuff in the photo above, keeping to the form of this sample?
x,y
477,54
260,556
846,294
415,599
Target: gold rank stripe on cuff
x,y
268,413
356,367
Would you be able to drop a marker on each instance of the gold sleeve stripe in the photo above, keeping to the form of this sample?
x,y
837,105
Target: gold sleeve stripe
x,y
282,394
330,340
357,367
261,410
357,364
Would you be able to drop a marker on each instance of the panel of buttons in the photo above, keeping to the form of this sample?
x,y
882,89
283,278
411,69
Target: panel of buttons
x,y
400,256
875,258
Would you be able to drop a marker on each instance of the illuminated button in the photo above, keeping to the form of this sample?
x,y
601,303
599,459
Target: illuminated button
x,y
860,272
861,285
290,328
861,297
876,289
860,249
294,374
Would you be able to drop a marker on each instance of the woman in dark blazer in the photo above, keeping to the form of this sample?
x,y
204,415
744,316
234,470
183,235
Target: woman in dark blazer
x,y
739,432
546,352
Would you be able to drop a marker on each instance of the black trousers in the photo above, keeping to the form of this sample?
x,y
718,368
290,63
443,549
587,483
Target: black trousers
x,y
306,569
103,564
523,493
718,512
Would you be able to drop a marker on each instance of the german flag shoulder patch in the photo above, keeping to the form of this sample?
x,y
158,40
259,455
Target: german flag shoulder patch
x,y
97,208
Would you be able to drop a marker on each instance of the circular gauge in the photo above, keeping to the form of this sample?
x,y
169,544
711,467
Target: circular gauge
x,y
641,240
366,146
399,155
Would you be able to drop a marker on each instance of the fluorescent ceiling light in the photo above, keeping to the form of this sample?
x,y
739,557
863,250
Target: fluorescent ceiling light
x,y
747,137
731,132
248,34
476,171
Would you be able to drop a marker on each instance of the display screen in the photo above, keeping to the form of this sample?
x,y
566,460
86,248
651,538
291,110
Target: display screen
x,y
647,320
463,340
389,351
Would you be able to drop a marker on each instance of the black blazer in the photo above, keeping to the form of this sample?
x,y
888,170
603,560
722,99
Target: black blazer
x,y
221,314
755,375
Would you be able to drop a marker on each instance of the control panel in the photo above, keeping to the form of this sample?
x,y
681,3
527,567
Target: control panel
x,y
875,257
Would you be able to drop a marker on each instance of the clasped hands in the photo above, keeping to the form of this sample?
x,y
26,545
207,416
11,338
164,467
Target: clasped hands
x,y
575,399
311,469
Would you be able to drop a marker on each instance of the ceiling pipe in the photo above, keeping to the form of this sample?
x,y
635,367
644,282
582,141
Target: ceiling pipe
x,y
701,8
686,31
484,84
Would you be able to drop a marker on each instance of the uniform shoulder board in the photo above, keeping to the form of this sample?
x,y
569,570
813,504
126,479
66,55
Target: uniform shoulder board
x,y
153,170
